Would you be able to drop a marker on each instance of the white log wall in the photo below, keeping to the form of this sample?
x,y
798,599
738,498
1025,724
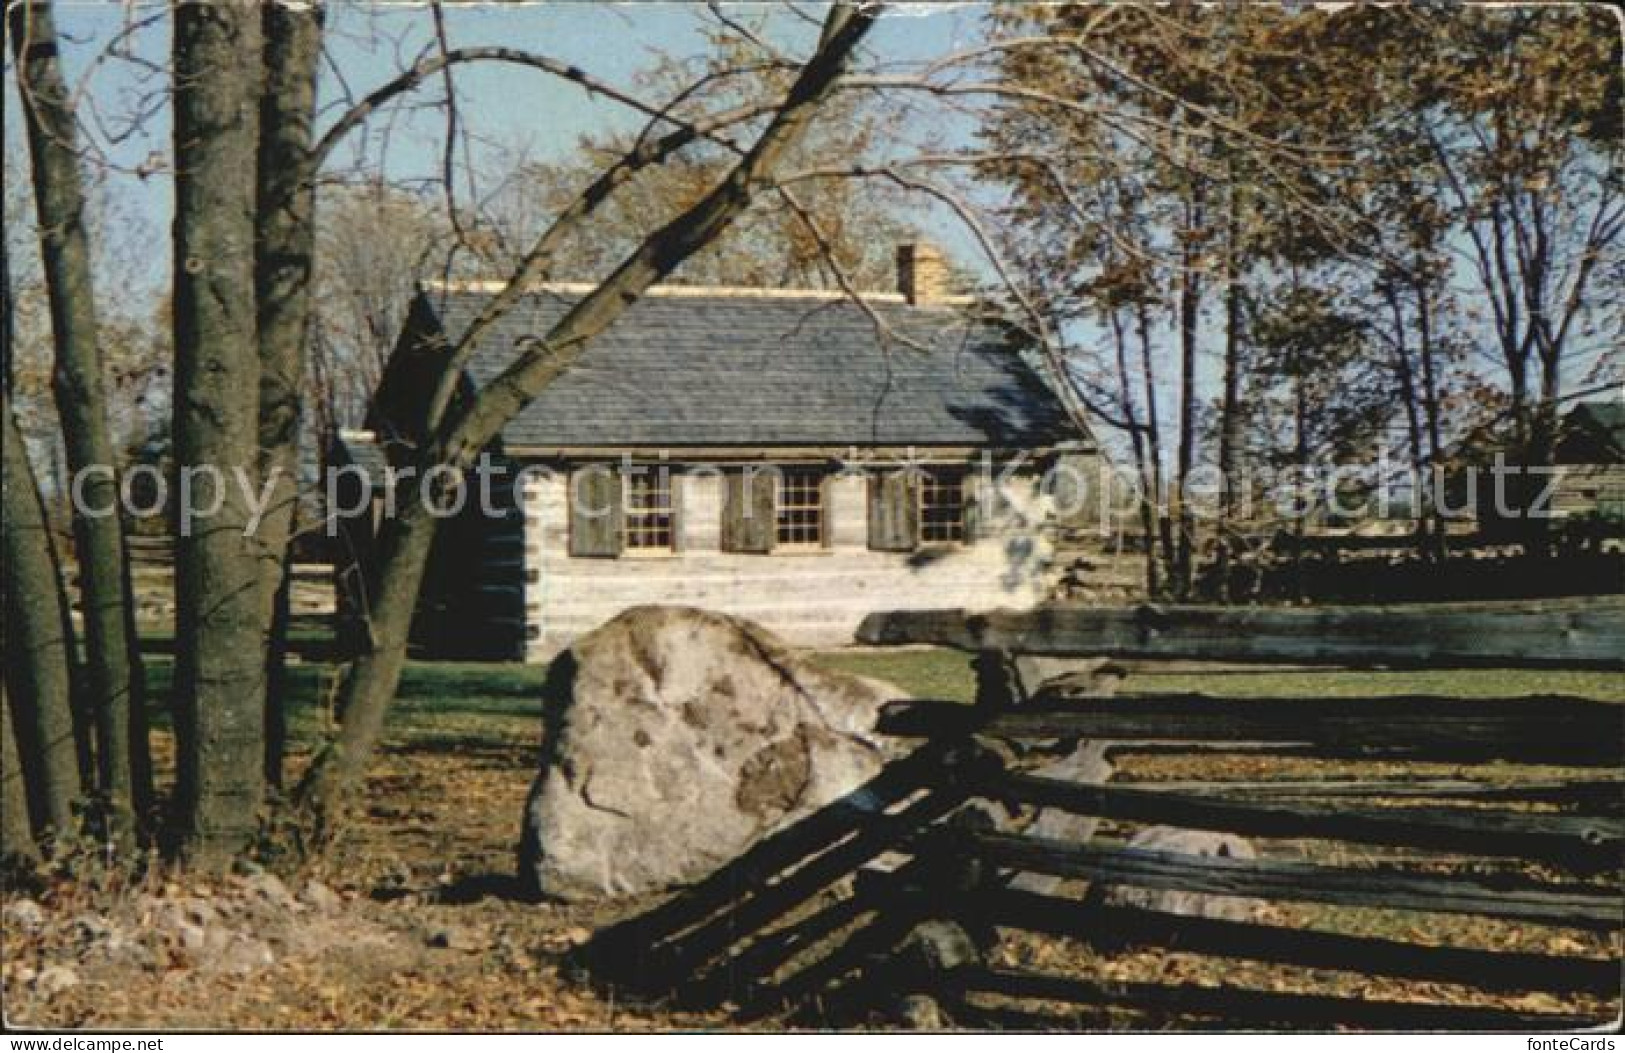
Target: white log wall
x,y
1582,488
812,598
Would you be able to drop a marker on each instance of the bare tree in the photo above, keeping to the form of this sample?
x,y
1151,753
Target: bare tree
x,y
38,643
220,652
283,265
41,778
455,438
114,683
16,833
375,243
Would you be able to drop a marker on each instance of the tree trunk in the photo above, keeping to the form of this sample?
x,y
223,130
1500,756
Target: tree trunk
x,y
1431,411
16,827
1409,399
1163,540
1137,442
114,686
219,639
1542,444
39,644
406,540
282,274
16,833
1300,455
1190,310
1230,415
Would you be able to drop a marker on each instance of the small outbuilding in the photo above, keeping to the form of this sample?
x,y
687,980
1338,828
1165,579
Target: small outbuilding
x,y
1590,461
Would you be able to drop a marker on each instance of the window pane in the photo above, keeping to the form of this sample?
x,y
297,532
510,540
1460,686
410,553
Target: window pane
x,y
801,507
942,505
649,510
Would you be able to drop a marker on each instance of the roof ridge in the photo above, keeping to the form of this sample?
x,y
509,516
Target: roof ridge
x,y
758,292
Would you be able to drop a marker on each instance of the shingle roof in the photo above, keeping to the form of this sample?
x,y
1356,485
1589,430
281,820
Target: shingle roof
x,y
1596,428
741,370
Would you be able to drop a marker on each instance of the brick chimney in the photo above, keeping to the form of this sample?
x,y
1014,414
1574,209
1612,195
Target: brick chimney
x,y
922,273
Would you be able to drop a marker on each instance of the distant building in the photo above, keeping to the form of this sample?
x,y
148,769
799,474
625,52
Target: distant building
x,y
1590,457
874,445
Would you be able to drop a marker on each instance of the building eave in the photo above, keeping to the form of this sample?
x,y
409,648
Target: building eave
x,y
736,454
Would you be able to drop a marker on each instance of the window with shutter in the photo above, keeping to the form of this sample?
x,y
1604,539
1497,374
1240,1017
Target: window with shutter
x,y
597,513
749,501
801,507
942,506
650,511
894,511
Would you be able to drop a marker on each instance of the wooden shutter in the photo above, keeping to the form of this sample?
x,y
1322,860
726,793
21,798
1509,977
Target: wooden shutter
x,y
597,513
894,511
755,490
986,505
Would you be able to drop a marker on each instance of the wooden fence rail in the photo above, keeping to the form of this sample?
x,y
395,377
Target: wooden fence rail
x,y
1579,842
1595,908
909,886
1112,928
1545,729
1569,633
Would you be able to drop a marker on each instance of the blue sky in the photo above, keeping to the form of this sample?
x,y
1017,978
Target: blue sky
x,y
507,110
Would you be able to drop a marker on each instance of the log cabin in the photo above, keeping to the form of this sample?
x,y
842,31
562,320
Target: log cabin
x,y
789,456
1590,460
1584,487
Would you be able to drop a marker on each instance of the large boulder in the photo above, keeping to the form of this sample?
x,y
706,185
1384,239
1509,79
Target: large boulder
x,y
677,738
1199,844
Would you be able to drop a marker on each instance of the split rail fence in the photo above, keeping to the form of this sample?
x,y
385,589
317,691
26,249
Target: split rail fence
x,y
1462,853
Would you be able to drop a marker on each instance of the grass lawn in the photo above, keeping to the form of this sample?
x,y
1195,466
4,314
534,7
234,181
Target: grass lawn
x,y
432,849
448,708
498,699
943,674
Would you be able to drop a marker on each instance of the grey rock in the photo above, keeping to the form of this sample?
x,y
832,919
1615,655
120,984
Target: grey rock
x,y
676,739
921,1013
120,948
1086,764
193,938
54,979
25,914
1072,677
938,947
241,955
186,921
195,910
320,898
269,888
1199,843
91,928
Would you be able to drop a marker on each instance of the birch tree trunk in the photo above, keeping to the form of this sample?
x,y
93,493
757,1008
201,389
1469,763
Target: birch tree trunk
x,y
114,692
219,640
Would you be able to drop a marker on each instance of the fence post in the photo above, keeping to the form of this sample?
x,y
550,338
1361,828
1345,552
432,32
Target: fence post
x,y
954,937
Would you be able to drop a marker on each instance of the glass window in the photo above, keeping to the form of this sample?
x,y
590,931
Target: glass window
x,y
649,519
942,505
801,508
